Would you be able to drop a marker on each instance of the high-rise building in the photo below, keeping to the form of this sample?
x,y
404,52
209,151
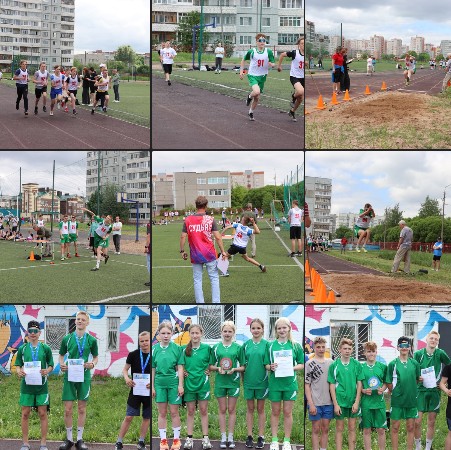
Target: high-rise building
x,y
417,44
318,195
377,46
394,47
248,179
445,47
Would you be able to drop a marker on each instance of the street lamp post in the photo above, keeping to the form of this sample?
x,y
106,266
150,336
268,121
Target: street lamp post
x,y
443,210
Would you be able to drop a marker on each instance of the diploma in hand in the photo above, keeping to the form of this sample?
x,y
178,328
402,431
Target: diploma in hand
x,y
75,370
284,361
33,375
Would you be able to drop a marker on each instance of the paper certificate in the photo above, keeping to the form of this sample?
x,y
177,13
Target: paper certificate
x,y
32,370
284,361
141,381
428,376
75,370
223,264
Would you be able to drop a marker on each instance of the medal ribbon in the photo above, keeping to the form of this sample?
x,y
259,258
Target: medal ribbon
x,y
143,367
34,352
81,349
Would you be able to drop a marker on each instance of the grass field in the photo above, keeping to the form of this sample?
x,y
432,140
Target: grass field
x,y
172,277
102,422
187,58
70,281
240,434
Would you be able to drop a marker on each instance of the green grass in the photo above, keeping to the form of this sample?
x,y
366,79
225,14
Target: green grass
x,y
102,423
240,434
187,58
360,66
172,280
70,281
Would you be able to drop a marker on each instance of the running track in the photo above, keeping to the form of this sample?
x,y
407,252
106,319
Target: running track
x,y
185,117
64,130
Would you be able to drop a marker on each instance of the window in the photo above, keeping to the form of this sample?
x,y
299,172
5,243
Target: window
x,y
291,4
55,330
410,331
201,181
218,180
246,3
358,332
246,40
200,192
113,334
266,3
284,38
274,313
290,21
266,22
245,21
217,192
212,316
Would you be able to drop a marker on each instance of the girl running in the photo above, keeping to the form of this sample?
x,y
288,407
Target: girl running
x,y
102,91
196,358
283,387
255,381
167,383
21,77
41,78
72,85
226,360
56,93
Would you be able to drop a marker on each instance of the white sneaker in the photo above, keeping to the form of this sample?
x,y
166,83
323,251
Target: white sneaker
x,y
357,249
364,249
188,444
118,253
206,444
286,446
274,446
231,444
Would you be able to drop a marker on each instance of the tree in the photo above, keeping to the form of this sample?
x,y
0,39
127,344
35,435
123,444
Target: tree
x,y
343,231
392,216
423,57
143,70
228,47
413,53
108,202
429,208
125,54
185,32
238,195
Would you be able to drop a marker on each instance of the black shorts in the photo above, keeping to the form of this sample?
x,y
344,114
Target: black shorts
x,y
14,229
233,250
167,68
436,258
295,232
73,92
295,80
38,92
100,94
91,241
337,75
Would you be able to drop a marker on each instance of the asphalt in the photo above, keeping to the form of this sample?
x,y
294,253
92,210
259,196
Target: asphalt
x,y
15,444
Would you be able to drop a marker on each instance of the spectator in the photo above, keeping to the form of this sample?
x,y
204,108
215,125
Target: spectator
x,y
86,84
404,248
117,230
219,52
116,79
437,254
337,69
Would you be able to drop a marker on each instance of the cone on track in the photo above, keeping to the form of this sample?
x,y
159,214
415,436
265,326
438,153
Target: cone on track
x,y
331,297
346,97
321,296
320,104
32,256
334,99
307,269
384,86
367,90
313,281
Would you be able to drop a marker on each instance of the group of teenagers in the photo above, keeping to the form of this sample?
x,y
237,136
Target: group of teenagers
x,y
183,372
64,87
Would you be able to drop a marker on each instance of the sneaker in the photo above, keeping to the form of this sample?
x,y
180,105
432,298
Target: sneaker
x,y
43,447
26,113
74,112
231,444
206,444
164,444
66,109
223,444
66,446
364,250
51,113
169,83
58,105
25,447
119,446
35,109
188,444
104,109
44,108
91,104
248,100
62,258
252,255
118,253
95,269
68,255
17,106
92,111
147,284
251,116
357,249
292,115
80,445
260,442
299,254
263,269
176,444
293,100
225,274
249,442
77,255
292,254
106,258
141,445
274,446
286,446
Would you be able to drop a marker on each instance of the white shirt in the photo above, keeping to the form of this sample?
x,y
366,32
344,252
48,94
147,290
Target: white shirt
x,y
166,54
369,62
295,215
241,237
40,223
117,227
297,65
219,52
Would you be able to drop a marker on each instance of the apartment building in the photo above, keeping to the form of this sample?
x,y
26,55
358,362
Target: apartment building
x,y
248,179
318,195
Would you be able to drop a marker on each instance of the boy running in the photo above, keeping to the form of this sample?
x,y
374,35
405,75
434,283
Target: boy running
x,y
259,57
21,77
73,83
73,236
56,93
64,235
31,354
102,91
41,78
167,55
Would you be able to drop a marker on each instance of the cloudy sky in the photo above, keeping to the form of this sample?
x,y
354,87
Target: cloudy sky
x,y
279,164
107,25
389,18
37,167
383,178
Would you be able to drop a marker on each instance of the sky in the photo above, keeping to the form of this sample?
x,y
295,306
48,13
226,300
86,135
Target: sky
x,y
279,164
37,167
383,179
400,19
107,25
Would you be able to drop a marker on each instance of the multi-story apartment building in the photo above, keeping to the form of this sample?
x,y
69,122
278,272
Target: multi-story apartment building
x,y
445,47
37,30
377,46
138,184
318,195
162,192
417,44
248,179
72,204
394,47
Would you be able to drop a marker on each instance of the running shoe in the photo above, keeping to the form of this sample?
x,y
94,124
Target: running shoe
x,y
104,109
231,444
274,446
51,113
251,116
35,109
364,250
206,444
17,106
292,115
44,108
95,269
92,111
67,445
106,258
66,109
227,274
293,100
169,83
141,445
292,254
77,255
164,444
188,444
263,268
249,442
286,446
58,105
74,112
176,444
223,444
357,249
80,445
63,258
26,113
248,100
118,446
260,442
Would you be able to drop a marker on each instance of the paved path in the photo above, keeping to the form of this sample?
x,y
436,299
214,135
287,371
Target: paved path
x,y
15,444
323,263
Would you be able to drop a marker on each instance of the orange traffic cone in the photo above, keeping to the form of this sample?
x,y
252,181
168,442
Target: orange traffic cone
x,y
32,256
307,269
321,293
367,90
320,104
314,281
331,297
384,86
334,99
346,97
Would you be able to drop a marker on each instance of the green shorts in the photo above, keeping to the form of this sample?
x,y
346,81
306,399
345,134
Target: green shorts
x,y
278,396
429,401
203,394
76,391
73,238
64,239
257,79
227,392
255,394
34,399
99,242
374,418
398,413
347,412
357,229
168,395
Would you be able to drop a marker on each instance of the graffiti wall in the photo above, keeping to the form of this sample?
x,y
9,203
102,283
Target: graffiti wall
x,y
114,343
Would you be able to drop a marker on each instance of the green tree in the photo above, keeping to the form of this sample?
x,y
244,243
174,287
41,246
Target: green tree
x,y
143,70
439,57
343,231
125,54
228,46
185,32
423,57
413,53
429,208
108,203
392,216
238,195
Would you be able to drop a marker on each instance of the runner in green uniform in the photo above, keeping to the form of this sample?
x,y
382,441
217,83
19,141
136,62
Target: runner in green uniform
x,y
345,379
373,403
255,381
31,395
403,373
77,345
283,388
167,383
196,361
434,359
226,360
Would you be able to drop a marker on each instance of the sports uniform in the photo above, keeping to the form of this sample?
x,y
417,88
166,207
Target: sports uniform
x,y
57,88
297,67
139,363
102,91
362,223
101,232
22,88
240,239
256,379
295,214
258,66
64,232
73,226
165,54
42,79
316,373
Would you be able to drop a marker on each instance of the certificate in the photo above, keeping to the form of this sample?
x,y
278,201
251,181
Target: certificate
x,y
141,381
32,370
428,376
284,361
75,370
223,264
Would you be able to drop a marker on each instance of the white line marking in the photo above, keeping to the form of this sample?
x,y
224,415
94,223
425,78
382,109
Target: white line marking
x,y
245,267
123,296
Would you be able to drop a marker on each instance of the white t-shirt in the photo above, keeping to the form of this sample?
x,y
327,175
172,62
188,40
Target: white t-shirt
x,y
117,227
40,223
297,65
295,215
369,62
241,237
166,54
219,52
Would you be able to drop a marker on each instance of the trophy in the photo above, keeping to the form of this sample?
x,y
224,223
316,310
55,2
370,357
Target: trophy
x,y
374,383
225,364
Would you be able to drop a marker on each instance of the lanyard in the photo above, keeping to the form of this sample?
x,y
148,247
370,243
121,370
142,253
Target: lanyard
x,y
34,352
143,367
81,349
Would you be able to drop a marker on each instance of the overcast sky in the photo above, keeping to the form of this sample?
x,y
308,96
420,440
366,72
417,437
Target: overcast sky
x,y
279,164
389,18
107,25
383,178
37,167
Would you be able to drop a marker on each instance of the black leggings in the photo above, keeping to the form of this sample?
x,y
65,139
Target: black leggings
x,y
22,91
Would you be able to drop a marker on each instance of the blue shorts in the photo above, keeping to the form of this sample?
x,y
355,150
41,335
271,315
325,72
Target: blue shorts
x,y
134,412
322,412
55,92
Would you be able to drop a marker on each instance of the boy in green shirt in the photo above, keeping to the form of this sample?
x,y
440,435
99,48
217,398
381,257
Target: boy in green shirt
x,y
34,354
403,373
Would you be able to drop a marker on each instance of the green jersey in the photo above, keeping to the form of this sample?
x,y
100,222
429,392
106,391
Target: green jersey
x,y
253,356
403,376
72,345
42,353
165,361
275,350
345,377
195,366
374,378
223,353
437,360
